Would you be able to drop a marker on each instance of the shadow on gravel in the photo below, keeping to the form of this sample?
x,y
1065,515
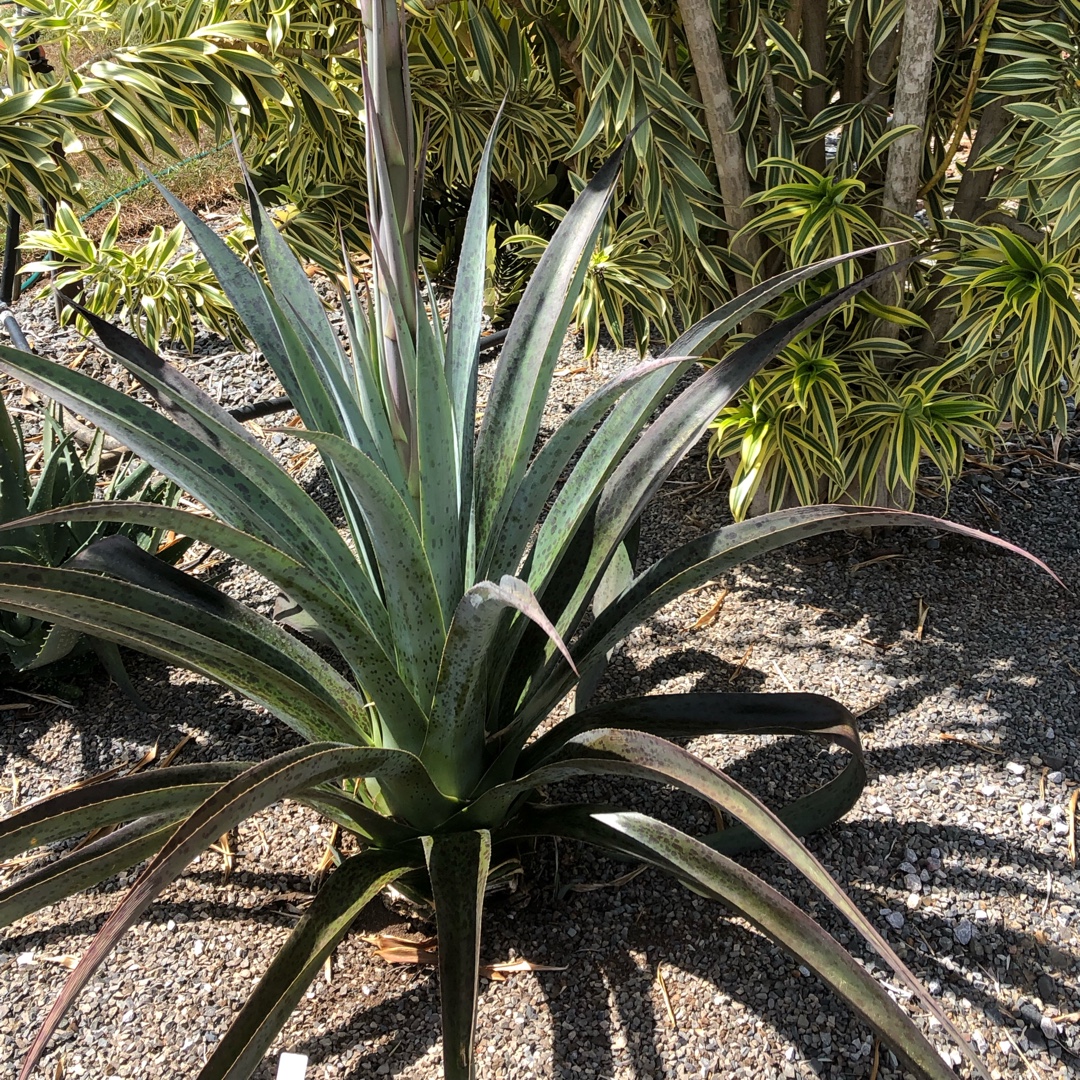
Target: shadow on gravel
x,y
104,722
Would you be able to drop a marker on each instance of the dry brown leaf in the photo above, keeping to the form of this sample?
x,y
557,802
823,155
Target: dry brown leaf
x,y
227,852
398,950
147,759
581,369
499,972
741,664
877,1059
66,961
877,559
710,616
944,735
49,699
327,861
168,759
20,862
924,610
664,994
614,883
58,1072
1072,826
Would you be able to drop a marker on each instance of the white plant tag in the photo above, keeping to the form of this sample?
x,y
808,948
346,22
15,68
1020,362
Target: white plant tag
x,y
292,1067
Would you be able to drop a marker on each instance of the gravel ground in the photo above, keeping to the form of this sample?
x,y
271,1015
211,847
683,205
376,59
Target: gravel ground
x,y
963,664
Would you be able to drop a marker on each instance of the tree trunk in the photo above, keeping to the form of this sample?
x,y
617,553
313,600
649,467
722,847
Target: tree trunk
x,y
970,204
975,185
815,19
727,147
905,156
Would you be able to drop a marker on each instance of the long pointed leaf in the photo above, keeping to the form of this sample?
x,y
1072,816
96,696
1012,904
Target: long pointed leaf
x,y
523,376
454,749
419,624
706,871
546,468
108,802
125,614
168,386
248,793
86,866
263,500
338,619
650,461
462,347
636,753
712,554
350,888
443,495
458,866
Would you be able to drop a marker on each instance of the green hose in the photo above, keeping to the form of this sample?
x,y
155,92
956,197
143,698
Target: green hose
x,y
109,199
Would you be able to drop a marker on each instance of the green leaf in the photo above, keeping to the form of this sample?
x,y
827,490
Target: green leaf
x,y
86,866
237,800
195,636
790,48
454,750
419,623
707,872
523,376
261,499
649,462
707,556
110,801
458,865
553,457
349,889
335,617
462,346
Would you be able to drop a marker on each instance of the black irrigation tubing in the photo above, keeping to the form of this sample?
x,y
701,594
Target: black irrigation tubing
x,y
11,325
256,409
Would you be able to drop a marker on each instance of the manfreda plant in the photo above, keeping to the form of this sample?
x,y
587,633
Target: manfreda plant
x,y
456,601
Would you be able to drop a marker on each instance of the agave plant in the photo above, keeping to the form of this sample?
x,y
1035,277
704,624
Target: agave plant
x,y
456,601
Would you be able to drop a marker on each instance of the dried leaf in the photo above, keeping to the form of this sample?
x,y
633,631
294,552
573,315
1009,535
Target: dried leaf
x,y
710,616
227,852
924,610
499,972
877,559
968,742
66,961
398,950
613,884
741,664
49,699
664,994
1072,826
167,760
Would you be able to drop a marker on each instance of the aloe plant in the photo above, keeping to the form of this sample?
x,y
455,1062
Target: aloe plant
x,y
456,601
